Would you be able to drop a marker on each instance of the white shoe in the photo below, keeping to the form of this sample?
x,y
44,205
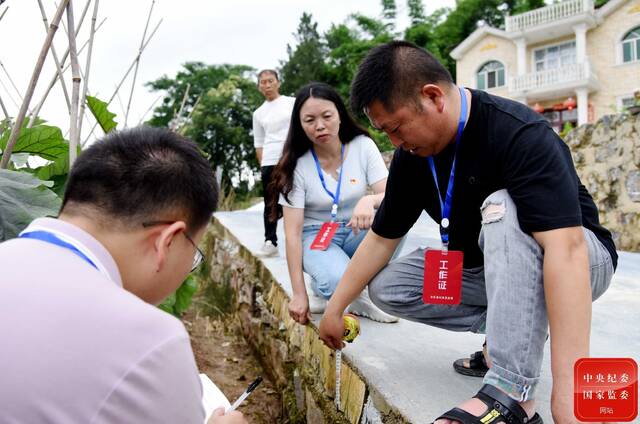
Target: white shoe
x,y
317,304
363,307
268,249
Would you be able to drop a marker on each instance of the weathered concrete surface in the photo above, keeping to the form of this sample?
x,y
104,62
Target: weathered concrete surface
x,y
397,372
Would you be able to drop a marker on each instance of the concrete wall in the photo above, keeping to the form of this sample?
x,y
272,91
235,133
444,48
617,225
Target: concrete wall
x,y
605,52
295,358
489,48
607,158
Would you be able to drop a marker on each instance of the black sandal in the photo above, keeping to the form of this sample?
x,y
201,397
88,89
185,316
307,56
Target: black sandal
x,y
500,409
477,365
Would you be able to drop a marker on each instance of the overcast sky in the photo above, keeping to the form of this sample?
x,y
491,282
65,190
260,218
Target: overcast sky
x,y
251,32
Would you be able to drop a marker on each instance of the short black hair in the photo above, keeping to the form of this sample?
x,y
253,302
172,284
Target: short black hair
x,y
394,72
268,71
143,174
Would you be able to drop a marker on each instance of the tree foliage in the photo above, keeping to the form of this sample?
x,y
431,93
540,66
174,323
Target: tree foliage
x,y
305,61
221,122
199,77
222,126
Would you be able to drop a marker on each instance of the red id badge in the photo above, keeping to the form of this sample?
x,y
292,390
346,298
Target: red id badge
x,y
442,277
322,240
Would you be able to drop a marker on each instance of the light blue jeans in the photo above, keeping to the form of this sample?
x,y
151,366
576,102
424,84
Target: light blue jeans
x,y
326,267
505,298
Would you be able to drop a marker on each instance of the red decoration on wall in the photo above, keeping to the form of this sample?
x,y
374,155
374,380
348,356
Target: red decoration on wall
x,y
538,108
570,103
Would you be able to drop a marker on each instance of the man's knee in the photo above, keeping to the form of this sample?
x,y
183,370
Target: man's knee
x,y
384,290
496,206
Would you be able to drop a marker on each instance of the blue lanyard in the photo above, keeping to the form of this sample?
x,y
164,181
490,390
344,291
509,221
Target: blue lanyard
x,y
445,206
53,239
334,197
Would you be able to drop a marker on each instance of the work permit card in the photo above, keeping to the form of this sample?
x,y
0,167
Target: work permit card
x,y
324,236
442,277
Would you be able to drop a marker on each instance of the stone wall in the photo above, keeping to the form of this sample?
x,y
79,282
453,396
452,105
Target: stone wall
x,y
607,157
293,356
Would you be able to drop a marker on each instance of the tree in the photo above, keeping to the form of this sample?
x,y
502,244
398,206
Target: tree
x,y
199,77
389,13
416,11
305,62
222,123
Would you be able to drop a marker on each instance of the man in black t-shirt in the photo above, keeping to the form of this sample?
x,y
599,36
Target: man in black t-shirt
x,y
503,187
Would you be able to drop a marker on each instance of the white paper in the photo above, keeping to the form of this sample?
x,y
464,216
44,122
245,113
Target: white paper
x,y
212,397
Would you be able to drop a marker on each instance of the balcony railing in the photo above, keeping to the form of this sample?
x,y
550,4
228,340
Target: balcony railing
x,y
545,79
548,14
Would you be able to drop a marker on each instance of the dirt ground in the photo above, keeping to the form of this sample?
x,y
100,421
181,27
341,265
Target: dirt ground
x,y
228,362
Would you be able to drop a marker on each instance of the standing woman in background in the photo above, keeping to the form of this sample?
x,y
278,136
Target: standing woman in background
x,y
328,162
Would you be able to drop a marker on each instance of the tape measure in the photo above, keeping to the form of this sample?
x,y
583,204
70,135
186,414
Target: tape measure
x,y
351,331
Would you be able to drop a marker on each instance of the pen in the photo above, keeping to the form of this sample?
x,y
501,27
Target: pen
x,y
243,396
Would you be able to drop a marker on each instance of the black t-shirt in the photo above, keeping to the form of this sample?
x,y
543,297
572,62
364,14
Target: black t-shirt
x,y
505,145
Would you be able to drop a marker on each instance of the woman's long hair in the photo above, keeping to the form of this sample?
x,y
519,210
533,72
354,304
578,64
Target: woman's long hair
x,y
297,143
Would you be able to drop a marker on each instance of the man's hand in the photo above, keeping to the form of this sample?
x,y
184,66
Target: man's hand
x,y
562,406
299,308
363,214
233,417
332,330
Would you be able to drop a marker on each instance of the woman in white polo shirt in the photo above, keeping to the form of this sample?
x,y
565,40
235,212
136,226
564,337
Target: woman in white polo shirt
x,y
327,165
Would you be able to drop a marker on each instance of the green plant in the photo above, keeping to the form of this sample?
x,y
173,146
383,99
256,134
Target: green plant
x,y
566,129
178,302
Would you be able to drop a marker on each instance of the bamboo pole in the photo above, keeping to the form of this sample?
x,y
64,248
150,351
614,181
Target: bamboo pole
x,y
3,13
75,95
53,81
13,84
54,53
120,103
195,105
135,72
16,104
124,77
184,100
144,115
15,131
4,109
83,102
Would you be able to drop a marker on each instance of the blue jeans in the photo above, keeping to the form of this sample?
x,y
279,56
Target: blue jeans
x,y
326,267
505,298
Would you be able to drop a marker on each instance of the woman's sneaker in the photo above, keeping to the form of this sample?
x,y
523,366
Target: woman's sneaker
x,y
268,249
363,307
317,304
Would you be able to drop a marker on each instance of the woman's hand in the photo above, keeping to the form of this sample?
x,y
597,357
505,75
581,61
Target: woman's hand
x,y
299,308
363,214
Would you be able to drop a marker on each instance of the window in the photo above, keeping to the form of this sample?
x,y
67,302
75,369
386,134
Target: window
x,y
631,46
555,56
491,75
627,102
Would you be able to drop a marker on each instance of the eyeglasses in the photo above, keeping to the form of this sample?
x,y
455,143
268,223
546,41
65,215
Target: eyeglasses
x,y
198,256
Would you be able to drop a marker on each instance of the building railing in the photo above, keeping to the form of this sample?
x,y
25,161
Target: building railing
x,y
547,78
548,14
